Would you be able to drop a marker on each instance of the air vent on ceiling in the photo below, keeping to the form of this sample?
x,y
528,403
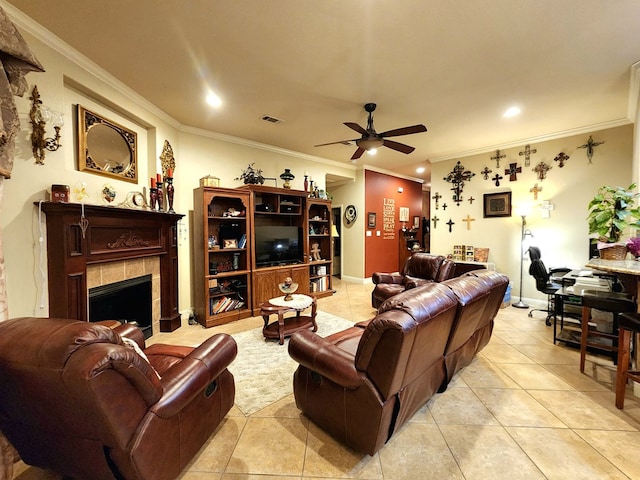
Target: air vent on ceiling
x,y
270,119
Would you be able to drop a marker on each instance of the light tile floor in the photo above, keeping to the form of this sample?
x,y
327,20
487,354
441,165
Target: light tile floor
x,y
520,410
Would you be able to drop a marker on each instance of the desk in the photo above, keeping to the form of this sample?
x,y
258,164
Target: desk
x,y
628,271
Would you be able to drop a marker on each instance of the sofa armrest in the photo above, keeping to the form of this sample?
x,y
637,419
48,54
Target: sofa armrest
x,y
191,376
413,282
394,278
323,357
132,332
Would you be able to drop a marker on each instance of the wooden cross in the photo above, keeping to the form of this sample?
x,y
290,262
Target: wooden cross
x,y
561,158
451,223
485,173
513,171
444,206
497,158
437,197
527,154
546,208
435,220
496,178
535,191
468,220
471,199
542,169
590,145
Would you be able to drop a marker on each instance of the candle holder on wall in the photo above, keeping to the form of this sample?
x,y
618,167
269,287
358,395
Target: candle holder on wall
x,y
40,115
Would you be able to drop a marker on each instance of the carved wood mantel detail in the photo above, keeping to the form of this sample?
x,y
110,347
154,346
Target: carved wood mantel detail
x,y
112,234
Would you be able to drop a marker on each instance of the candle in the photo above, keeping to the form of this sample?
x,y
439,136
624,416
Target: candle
x,y
170,173
153,183
158,178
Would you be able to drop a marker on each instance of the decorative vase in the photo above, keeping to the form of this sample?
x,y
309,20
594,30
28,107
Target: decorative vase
x,y
306,183
170,191
153,198
160,197
287,176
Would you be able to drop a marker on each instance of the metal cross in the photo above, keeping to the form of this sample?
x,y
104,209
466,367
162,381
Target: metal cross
x,y
590,145
561,158
513,171
542,169
471,199
527,154
485,173
468,220
496,178
435,220
437,197
451,223
444,206
457,177
535,191
497,158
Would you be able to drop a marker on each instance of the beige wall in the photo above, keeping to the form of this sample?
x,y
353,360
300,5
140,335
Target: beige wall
x,y
562,238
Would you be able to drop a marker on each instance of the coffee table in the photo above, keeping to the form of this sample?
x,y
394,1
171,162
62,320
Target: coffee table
x,y
285,326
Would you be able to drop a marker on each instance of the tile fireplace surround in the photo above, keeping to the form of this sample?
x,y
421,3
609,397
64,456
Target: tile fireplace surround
x,y
118,243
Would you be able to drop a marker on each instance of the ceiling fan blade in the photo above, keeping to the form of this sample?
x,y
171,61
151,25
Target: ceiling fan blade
x,y
404,131
400,147
356,127
335,143
358,153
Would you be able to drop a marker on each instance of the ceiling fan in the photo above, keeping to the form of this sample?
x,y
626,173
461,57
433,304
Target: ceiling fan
x,y
371,139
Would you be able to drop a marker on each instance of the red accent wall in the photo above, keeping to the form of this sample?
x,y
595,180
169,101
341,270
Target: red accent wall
x,y
382,255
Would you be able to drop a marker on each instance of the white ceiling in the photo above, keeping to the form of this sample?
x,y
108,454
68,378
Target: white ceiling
x,y
453,65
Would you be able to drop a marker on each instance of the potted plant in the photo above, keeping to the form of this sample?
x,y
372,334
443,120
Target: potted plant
x,y
251,175
611,212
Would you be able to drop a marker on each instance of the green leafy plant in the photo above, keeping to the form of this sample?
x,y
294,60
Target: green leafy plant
x,y
251,175
612,211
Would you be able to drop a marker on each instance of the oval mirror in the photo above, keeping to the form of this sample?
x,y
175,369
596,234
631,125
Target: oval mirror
x,y
105,147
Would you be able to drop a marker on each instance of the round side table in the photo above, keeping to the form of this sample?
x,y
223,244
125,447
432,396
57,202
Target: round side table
x,y
285,326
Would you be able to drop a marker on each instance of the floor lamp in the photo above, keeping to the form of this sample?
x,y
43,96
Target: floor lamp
x,y
523,235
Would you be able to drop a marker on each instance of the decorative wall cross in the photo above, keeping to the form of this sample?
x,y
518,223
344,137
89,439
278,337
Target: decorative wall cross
x,y
485,173
471,199
513,171
437,198
435,220
497,158
496,178
468,220
444,206
527,154
590,145
535,191
457,177
561,158
542,169
546,208
451,223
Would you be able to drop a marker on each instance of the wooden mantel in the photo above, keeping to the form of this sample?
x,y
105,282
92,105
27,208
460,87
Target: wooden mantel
x,y
112,234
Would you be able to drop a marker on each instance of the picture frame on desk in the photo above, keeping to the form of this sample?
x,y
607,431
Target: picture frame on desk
x,y
497,204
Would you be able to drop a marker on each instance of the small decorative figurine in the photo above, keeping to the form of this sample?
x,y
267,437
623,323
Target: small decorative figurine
x,y
288,287
315,252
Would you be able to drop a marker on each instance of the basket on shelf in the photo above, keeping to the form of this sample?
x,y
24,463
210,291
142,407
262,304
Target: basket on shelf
x,y
614,252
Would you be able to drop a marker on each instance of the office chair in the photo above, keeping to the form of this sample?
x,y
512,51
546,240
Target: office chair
x,y
544,283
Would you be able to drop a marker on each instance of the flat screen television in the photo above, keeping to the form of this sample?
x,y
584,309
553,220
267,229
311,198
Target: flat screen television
x,y
278,245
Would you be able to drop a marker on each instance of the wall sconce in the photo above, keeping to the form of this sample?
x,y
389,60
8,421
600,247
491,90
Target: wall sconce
x,y
400,189
40,115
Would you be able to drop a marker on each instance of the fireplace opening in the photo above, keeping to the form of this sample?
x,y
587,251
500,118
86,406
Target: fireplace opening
x,y
128,301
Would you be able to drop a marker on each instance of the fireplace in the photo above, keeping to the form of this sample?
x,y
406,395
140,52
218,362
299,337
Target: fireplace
x,y
128,301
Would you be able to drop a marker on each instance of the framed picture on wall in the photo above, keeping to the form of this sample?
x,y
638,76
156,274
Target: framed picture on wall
x,y
371,220
497,204
416,222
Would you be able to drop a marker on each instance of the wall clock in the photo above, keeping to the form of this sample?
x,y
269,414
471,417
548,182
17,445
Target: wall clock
x,y
350,214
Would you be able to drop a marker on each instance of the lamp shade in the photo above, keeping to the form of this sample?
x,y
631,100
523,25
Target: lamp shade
x,y
334,231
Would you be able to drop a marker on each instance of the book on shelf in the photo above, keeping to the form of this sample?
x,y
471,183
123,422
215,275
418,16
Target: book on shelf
x,y
242,243
224,304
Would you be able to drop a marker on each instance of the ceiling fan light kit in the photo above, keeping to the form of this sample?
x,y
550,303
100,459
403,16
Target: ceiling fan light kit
x,y
371,140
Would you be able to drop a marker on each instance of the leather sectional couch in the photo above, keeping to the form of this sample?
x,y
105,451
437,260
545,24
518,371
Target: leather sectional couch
x,y
363,383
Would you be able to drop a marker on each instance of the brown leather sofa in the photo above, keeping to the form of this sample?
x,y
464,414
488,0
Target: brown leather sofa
x,y
419,268
78,399
363,383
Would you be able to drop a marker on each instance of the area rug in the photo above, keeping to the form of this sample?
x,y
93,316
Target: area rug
x,y
263,369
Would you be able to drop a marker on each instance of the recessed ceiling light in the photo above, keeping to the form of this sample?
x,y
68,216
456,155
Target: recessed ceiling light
x,y
511,112
214,100
420,170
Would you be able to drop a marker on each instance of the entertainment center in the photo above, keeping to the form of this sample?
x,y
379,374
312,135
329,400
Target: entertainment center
x,y
248,239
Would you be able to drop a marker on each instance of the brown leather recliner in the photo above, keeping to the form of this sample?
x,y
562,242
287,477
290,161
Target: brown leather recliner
x,y
363,383
78,399
419,268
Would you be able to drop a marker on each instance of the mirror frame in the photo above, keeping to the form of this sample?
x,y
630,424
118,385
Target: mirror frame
x,y
87,119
